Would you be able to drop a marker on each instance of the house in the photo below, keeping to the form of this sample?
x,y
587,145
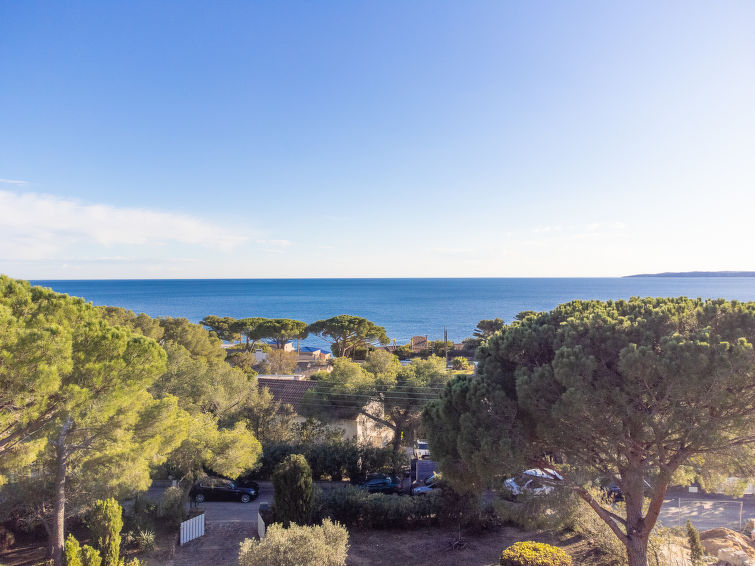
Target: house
x,y
419,343
291,390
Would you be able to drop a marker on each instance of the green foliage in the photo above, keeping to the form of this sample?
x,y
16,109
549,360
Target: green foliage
x,y
486,328
383,390
144,540
72,552
280,362
281,330
90,556
347,333
353,506
531,553
612,387
317,545
440,347
172,506
78,405
197,340
460,363
696,550
105,523
225,328
294,491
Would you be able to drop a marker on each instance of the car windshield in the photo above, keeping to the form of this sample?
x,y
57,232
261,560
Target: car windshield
x,y
422,445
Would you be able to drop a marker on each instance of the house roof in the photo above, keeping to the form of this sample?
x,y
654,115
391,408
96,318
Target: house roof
x,y
310,349
288,391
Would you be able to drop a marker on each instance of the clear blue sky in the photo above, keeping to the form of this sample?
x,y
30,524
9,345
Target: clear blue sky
x,y
295,139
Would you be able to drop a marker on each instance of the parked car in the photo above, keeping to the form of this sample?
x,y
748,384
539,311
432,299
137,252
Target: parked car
x,y
381,483
421,450
612,493
427,485
534,482
219,489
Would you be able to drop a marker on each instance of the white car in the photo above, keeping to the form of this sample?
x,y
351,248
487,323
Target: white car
x,y
534,482
421,450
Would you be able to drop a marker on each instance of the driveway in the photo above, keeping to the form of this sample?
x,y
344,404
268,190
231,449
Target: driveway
x,y
227,524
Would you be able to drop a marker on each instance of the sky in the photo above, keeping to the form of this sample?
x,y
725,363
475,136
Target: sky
x,y
375,139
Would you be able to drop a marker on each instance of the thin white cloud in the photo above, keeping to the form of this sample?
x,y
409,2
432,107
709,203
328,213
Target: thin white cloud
x,y
38,226
275,243
16,182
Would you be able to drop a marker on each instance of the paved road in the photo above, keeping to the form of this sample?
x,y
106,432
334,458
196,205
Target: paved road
x,y
706,511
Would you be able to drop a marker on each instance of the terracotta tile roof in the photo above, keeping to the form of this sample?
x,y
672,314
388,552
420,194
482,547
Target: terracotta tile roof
x,y
289,391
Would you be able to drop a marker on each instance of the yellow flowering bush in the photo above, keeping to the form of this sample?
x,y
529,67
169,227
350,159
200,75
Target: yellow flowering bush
x,y
530,553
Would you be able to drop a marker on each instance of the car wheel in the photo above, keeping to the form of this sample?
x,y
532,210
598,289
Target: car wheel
x,y
245,498
199,497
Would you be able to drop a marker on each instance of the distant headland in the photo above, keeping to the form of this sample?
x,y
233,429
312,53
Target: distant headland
x,y
697,274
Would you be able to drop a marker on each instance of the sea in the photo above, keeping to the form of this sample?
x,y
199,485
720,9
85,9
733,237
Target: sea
x,y
405,307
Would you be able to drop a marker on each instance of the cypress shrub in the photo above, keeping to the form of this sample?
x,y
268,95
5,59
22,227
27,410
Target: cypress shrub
x,y
90,556
72,552
696,550
105,524
294,491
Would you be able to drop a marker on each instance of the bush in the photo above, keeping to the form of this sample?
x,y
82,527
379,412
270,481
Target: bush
x,y
7,539
460,363
292,482
556,511
144,540
318,545
172,506
72,552
355,507
334,459
90,556
696,550
534,554
105,523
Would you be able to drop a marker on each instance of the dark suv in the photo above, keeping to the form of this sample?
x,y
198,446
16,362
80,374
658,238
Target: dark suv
x,y
219,489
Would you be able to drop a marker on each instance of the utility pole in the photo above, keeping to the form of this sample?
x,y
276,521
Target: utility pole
x,y
445,344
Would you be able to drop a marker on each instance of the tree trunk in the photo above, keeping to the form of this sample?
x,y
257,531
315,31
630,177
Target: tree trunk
x,y
59,503
637,550
396,440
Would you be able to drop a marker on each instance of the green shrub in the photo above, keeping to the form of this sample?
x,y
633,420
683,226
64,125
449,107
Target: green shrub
x,y
72,551
292,482
460,363
696,550
353,506
530,553
105,523
90,556
144,540
318,545
172,506
556,511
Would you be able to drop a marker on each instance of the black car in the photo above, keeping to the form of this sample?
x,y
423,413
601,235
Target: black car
x,y
219,489
382,484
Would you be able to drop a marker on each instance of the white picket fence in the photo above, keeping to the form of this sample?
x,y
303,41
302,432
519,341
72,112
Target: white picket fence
x,y
191,529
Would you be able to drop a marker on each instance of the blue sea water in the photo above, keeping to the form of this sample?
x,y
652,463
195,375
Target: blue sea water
x,y
405,307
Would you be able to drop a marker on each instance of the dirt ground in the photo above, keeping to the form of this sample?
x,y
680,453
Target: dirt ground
x,y
432,547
